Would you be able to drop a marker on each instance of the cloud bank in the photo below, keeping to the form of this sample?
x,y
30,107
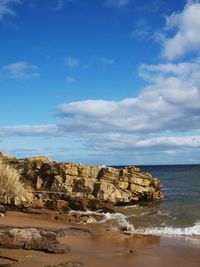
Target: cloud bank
x,y
164,117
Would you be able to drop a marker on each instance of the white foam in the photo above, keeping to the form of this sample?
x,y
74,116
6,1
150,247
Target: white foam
x,y
131,206
171,231
119,218
91,220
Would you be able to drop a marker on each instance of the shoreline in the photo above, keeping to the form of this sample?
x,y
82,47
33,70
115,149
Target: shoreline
x,y
108,246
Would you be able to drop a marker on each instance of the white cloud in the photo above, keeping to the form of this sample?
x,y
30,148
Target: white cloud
x,y
163,118
187,36
183,70
108,61
117,3
89,108
19,70
6,8
170,102
161,123
29,130
170,141
71,62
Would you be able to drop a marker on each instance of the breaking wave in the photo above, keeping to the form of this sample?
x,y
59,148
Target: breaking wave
x,y
122,222
172,231
118,218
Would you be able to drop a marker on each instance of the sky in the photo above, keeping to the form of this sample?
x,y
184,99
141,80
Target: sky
x,y
110,82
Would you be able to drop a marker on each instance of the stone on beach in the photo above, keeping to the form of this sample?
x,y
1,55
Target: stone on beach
x,y
31,239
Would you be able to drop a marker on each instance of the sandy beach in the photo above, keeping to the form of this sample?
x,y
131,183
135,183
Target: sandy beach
x,y
105,248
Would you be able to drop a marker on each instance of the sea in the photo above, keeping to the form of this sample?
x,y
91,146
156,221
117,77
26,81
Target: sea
x,y
178,215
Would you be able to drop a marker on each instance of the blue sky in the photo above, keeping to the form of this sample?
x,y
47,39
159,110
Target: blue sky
x,y
101,81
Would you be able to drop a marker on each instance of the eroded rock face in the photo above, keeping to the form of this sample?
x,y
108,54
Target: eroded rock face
x,y
68,185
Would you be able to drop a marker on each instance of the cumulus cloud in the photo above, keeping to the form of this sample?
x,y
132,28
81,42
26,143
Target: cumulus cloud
x,y
163,119
186,25
6,8
170,102
71,62
19,70
183,70
117,3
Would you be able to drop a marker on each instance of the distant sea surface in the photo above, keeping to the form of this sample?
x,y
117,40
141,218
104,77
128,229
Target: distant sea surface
x,y
179,212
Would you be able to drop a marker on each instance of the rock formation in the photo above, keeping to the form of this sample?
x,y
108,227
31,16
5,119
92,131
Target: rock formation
x,y
61,186
31,238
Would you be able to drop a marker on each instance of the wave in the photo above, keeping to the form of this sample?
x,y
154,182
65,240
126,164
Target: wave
x,y
119,219
172,231
122,222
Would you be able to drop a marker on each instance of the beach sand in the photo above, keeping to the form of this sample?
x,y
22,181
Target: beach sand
x,y
106,248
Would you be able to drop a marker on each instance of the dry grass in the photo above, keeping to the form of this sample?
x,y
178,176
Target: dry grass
x,y
10,185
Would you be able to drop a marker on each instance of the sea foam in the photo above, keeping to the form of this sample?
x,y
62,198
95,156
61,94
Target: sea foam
x,y
171,231
119,218
122,221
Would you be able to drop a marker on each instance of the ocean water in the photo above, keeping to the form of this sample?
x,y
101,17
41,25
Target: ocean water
x,y
178,215
179,212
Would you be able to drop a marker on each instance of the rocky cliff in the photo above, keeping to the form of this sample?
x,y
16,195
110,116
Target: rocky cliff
x,y
59,185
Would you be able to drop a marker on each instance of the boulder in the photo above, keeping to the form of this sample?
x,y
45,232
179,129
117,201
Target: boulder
x,y
31,238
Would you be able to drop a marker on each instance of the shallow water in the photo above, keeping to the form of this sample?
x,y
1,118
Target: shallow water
x,y
179,213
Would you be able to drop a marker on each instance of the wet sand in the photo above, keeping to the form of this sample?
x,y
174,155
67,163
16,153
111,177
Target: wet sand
x,y
107,248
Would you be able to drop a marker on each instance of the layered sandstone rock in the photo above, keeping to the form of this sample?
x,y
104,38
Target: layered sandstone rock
x,y
59,185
